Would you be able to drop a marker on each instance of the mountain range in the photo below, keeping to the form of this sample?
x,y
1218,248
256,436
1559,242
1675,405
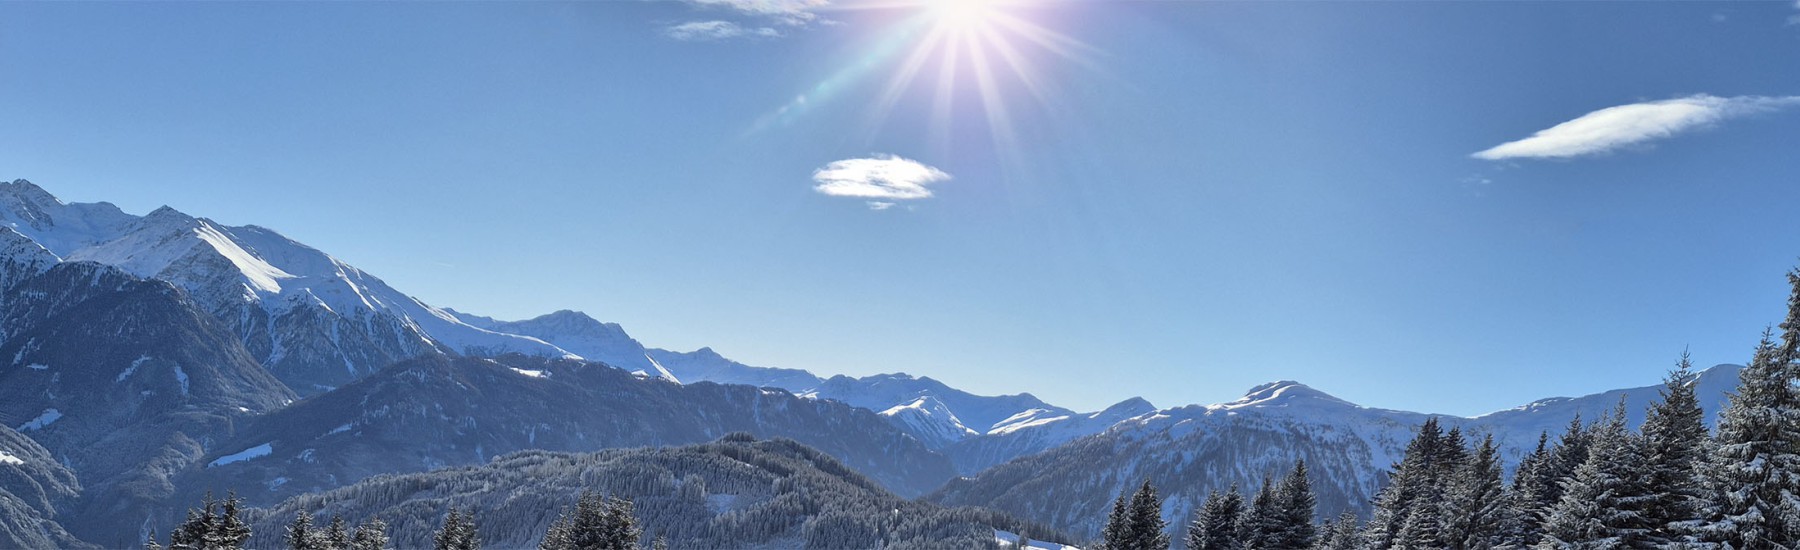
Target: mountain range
x,y
145,360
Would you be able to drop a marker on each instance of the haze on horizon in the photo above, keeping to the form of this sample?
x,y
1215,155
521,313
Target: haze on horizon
x,y
1451,208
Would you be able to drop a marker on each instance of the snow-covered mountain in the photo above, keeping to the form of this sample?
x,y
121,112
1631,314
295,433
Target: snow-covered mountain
x,y
582,335
1189,451
312,320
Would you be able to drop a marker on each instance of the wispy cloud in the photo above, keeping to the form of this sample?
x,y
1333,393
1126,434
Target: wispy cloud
x,y
700,31
1609,129
1795,18
748,18
789,12
882,179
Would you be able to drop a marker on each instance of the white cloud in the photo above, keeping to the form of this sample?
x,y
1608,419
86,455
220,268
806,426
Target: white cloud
x,y
716,30
789,12
1611,128
882,179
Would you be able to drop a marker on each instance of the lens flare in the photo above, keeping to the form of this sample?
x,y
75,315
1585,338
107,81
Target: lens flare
x,y
954,52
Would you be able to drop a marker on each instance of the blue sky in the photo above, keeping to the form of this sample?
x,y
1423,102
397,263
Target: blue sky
x,y
1185,200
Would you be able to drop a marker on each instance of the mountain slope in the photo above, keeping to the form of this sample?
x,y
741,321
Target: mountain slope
x,y
313,320
580,334
733,493
125,381
33,487
1189,451
441,411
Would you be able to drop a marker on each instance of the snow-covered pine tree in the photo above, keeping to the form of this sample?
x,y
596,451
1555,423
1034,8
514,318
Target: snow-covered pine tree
x,y
1118,522
1476,507
302,536
1602,505
1410,480
1530,495
1215,525
370,535
458,533
1754,471
1140,525
337,535
1341,534
1258,526
1675,444
1295,507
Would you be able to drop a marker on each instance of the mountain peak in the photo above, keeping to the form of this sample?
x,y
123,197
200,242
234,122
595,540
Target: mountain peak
x,y
30,191
1282,393
1127,408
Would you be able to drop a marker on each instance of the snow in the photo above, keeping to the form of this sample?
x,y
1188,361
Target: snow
x,y
261,275
1007,539
48,417
131,369
8,458
529,372
181,377
339,429
258,451
38,366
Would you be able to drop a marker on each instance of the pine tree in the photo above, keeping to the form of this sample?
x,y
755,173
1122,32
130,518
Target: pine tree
x,y
1259,524
1675,445
150,543
1342,534
1601,506
458,533
370,535
1118,523
1141,526
1413,480
1295,507
1215,525
302,536
1476,509
337,535
1754,472
1529,496
595,524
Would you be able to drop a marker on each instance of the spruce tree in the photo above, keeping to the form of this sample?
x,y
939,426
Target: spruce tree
x,y
1754,472
1602,505
1142,526
1259,524
458,532
1477,507
1414,479
1342,534
337,535
1215,525
370,535
302,536
1675,445
1294,510
1532,487
595,524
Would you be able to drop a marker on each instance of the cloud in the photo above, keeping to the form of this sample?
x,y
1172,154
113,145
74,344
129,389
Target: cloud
x,y
1609,129
701,31
882,179
789,12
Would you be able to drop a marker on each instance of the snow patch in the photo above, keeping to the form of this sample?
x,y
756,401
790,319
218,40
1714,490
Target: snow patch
x,y
135,363
44,419
529,372
339,429
259,273
8,458
38,366
1008,539
258,451
182,377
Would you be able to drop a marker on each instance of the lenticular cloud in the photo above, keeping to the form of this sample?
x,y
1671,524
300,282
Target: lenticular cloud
x,y
1611,128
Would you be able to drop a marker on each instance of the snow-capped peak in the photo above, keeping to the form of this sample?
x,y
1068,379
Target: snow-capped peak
x,y
929,418
1282,393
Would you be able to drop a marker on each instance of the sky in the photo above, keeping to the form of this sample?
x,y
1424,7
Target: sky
x,y
1443,207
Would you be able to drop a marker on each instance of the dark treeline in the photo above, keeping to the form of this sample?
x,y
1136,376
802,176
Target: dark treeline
x,y
734,493
1598,485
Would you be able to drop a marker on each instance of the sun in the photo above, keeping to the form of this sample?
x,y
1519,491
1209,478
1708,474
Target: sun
x,y
962,14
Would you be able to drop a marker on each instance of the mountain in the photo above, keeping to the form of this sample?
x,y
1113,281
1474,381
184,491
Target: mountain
x,y
737,492
1188,451
123,380
1037,434
311,319
580,334
440,411
33,487
706,364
